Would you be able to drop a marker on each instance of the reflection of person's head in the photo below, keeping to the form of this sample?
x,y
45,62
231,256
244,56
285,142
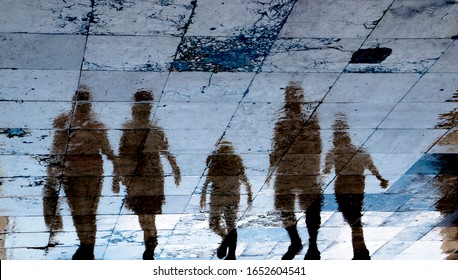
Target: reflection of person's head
x,y
225,147
141,109
82,99
294,97
341,135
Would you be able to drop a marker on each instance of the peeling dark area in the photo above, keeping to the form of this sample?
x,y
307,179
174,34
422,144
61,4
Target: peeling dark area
x,y
244,52
213,54
370,56
371,69
455,37
15,132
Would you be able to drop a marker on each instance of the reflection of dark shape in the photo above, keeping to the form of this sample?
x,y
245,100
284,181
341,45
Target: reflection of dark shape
x,y
3,225
444,169
349,189
140,169
225,174
375,55
447,184
83,171
296,157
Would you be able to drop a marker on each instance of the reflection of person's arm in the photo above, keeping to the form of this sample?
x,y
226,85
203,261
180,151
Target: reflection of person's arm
x,y
247,184
203,195
274,158
108,151
52,217
371,166
163,147
175,167
106,147
329,162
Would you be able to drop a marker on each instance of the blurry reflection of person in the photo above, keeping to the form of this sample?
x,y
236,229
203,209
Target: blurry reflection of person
x,y
447,183
296,160
349,189
139,168
226,173
3,225
83,171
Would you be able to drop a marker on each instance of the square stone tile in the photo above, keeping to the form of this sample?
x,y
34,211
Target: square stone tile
x,y
24,165
38,85
443,63
130,53
377,88
434,88
40,115
45,16
310,55
195,115
120,86
206,87
423,250
28,142
418,116
22,186
238,17
150,17
418,19
333,19
41,51
260,116
356,115
401,141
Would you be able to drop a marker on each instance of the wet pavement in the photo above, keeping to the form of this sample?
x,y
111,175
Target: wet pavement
x,y
208,129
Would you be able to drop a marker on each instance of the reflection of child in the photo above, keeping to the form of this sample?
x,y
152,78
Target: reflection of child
x,y
349,187
225,173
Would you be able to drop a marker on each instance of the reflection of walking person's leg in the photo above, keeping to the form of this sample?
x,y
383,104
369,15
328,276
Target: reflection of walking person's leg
x,y
83,195
148,225
351,207
230,215
285,203
215,224
313,222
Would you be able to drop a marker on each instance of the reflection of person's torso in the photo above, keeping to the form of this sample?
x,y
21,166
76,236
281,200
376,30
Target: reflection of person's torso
x,y
299,169
351,169
140,161
224,172
83,155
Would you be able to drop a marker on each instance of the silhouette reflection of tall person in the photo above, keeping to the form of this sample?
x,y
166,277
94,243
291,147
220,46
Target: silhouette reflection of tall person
x,y
349,189
140,169
83,170
226,173
296,159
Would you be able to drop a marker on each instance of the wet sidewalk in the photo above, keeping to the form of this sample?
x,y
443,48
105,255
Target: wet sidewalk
x,y
208,129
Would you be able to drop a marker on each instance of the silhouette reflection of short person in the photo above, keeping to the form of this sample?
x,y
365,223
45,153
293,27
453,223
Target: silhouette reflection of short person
x,y
226,173
295,158
139,168
83,167
349,187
